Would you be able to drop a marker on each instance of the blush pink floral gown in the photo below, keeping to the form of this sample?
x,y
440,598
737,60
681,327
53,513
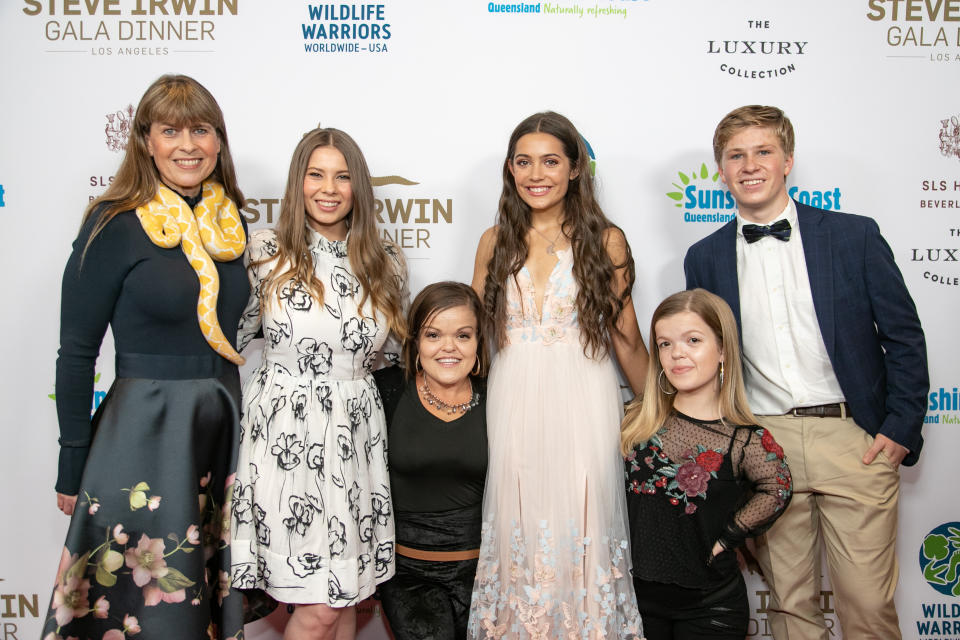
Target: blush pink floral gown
x,y
554,557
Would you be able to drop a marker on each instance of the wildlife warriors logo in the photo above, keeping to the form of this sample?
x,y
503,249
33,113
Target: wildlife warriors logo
x,y
940,558
118,128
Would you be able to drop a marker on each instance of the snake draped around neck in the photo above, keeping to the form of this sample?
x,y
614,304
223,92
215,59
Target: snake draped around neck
x,y
210,231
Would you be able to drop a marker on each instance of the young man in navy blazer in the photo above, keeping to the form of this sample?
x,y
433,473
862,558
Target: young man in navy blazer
x,y
836,366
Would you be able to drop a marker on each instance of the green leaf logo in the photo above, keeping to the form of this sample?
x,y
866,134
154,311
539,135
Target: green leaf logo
x,y
703,173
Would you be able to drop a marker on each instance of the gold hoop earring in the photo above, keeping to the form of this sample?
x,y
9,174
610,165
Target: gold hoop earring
x,y
476,367
660,384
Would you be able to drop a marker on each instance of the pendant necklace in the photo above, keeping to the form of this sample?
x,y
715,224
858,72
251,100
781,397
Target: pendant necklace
x,y
551,248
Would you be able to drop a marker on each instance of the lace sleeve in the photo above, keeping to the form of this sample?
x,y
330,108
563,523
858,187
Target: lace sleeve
x,y
762,468
262,244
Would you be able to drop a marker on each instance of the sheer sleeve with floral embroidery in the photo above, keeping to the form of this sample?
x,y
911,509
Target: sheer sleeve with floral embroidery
x,y
759,459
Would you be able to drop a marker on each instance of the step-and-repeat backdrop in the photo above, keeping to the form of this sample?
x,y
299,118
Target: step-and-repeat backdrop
x,y
431,90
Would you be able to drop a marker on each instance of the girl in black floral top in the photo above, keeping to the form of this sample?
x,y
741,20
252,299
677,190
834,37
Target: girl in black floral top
x,y
701,477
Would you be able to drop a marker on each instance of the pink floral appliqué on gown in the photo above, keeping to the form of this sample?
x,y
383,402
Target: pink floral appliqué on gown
x,y
554,557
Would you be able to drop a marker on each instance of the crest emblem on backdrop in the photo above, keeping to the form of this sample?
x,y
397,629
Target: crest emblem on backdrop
x,y
118,128
950,137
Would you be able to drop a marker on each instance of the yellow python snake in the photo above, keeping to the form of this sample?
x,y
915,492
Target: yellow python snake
x,y
212,230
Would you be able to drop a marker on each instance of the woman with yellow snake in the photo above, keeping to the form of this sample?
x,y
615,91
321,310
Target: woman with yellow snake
x,y
148,480
312,515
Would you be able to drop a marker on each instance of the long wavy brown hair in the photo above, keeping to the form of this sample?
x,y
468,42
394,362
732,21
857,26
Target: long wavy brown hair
x,y
172,99
584,224
374,261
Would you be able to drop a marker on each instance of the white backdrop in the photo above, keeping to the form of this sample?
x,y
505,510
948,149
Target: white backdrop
x,y
431,91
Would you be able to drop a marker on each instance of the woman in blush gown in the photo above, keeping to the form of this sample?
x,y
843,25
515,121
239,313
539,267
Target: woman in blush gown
x,y
555,276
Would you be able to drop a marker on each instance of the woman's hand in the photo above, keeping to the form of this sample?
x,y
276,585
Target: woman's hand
x,y
66,503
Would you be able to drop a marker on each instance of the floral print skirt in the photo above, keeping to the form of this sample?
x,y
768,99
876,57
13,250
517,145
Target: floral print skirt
x,y
312,513
147,554
554,552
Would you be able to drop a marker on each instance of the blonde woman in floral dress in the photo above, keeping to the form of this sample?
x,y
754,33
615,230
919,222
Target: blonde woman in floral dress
x,y
312,510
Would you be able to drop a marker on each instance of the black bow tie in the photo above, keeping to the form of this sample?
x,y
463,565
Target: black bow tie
x,y
779,230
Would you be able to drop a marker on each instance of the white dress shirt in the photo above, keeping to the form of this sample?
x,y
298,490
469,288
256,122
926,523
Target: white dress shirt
x,y
785,361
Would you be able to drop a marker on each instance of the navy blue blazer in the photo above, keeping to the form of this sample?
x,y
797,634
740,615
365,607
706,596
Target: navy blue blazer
x,y
867,318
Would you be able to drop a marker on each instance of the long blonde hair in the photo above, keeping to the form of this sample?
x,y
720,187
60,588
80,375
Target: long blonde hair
x,y
370,261
173,99
647,414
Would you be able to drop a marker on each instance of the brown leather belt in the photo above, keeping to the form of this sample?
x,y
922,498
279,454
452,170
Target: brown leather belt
x,y
437,556
836,410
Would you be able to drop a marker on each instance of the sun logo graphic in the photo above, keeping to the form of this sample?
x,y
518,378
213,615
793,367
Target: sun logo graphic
x,y
701,196
940,558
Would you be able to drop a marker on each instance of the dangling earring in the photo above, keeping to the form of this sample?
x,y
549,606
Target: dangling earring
x,y
416,364
721,374
660,384
476,367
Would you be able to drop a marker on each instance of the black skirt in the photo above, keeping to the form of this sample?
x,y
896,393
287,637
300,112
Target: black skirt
x,y
429,599
148,549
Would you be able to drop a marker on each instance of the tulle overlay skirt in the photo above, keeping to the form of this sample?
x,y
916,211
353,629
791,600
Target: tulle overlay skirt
x,y
554,556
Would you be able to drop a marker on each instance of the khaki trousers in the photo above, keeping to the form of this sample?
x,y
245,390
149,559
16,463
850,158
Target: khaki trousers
x,y
852,509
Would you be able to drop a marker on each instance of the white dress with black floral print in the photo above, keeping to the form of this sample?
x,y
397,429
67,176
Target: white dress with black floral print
x,y
311,515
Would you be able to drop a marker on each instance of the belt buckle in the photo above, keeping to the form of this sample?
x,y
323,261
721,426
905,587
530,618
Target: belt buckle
x,y
819,410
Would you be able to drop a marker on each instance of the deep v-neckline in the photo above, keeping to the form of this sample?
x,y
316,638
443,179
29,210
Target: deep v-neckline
x,y
533,285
